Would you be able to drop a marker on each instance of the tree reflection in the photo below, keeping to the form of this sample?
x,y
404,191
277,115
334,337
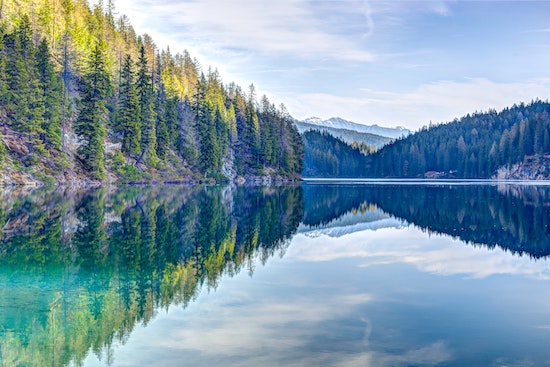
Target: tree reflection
x,y
80,270
513,217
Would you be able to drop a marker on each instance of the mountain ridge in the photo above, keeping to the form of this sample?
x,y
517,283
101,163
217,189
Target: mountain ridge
x,y
340,123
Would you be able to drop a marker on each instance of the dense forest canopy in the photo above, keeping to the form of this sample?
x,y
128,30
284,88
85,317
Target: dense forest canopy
x,y
475,146
513,143
81,92
329,156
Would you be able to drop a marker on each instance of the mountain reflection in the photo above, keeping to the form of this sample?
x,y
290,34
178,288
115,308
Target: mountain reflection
x,y
79,271
513,217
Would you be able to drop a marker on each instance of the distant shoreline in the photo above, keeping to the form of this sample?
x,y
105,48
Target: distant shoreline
x,y
424,181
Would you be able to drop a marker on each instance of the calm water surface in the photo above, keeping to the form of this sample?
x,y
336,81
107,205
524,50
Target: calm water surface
x,y
313,275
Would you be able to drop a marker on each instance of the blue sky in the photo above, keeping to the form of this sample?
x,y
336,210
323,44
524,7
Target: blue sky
x,y
389,63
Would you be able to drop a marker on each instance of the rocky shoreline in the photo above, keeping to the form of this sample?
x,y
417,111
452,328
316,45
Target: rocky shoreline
x,y
535,168
11,178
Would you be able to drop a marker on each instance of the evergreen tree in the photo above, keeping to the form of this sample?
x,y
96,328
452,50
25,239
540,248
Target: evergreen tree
x,y
50,88
127,121
51,82
147,111
209,154
25,107
475,146
163,137
90,125
252,127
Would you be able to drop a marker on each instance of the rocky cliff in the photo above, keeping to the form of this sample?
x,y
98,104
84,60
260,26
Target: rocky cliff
x,y
535,167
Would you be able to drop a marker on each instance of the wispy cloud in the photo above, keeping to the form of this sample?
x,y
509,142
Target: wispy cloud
x,y
439,254
541,30
253,327
436,102
291,27
412,56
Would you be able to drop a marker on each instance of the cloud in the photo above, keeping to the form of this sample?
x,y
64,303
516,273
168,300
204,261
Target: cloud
x,y
290,27
315,56
253,327
436,102
438,254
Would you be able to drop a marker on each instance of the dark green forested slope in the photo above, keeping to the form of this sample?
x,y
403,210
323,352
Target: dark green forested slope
x,y
475,146
328,156
82,97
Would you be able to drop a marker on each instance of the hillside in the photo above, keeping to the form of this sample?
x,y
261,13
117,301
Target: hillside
x,y
337,147
84,100
481,145
328,156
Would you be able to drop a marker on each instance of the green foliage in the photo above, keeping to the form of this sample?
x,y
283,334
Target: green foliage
x,y
147,112
209,150
127,121
327,156
472,147
3,151
51,93
163,108
164,245
24,98
90,125
129,173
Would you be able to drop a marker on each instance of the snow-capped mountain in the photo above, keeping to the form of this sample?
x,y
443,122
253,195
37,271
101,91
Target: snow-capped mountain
x,y
339,123
350,222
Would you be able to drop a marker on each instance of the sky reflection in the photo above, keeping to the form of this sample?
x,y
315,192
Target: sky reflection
x,y
386,297
437,254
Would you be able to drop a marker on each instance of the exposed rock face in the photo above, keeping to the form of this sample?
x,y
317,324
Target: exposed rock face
x,y
17,178
264,180
228,167
535,167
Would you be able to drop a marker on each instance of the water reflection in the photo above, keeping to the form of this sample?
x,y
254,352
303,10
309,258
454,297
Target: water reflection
x,y
512,217
79,271
91,271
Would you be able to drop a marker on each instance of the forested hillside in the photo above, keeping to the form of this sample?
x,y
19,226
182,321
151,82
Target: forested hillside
x,y
475,146
328,156
84,98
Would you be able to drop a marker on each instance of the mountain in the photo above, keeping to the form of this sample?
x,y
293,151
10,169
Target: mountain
x,y
351,222
347,136
341,124
513,143
329,156
337,147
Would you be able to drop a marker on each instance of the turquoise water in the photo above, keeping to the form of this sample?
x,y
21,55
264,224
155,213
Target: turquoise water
x,y
320,274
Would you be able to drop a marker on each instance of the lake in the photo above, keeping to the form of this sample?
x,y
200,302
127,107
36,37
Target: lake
x,y
319,274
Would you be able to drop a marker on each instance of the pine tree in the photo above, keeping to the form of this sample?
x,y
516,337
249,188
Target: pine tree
x,y
19,77
26,107
51,91
127,121
163,136
90,125
209,154
147,112
252,127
